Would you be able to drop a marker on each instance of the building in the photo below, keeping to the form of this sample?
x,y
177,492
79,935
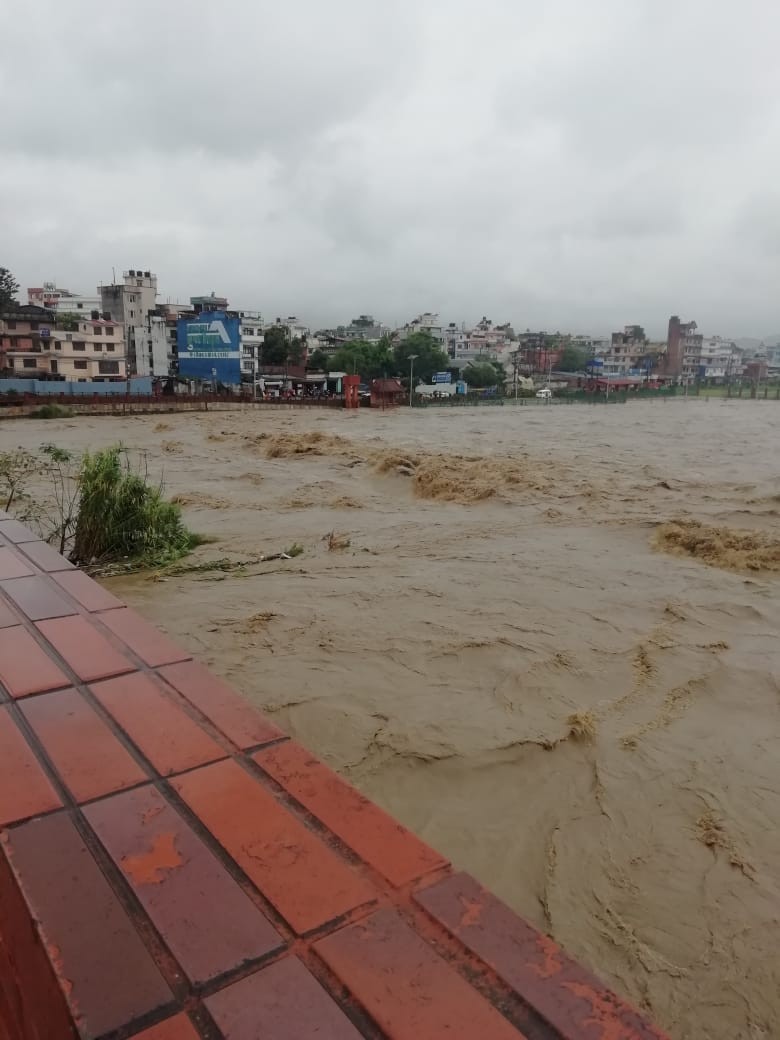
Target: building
x,y
62,301
32,346
364,327
534,352
151,346
712,360
212,302
128,303
24,331
626,353
427,322
681,339
592,345
251,333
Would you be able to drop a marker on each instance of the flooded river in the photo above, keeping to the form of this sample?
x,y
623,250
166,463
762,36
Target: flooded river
x,y
491,646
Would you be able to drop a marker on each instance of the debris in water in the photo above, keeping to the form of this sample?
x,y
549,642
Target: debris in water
x,y
336,541
582,725
724,547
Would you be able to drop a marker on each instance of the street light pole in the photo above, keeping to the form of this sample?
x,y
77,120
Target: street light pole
x,y
411,376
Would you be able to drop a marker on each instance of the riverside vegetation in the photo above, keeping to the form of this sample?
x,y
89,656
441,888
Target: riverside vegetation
x,y
99,508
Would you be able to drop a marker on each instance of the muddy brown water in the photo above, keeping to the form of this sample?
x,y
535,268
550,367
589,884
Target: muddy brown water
x,y
588,725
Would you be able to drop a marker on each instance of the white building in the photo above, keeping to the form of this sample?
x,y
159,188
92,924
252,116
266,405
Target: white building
x,y
427,322
63,301
713,358
151,348
251,331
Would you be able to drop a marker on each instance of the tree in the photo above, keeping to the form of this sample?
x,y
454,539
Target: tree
x,y
296,350
430,357
9,287
69,321
318,361
484,374
275,345
368,360
573,359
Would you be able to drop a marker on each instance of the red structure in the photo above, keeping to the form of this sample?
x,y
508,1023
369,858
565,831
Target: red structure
x,y
351,386
173,867
386,393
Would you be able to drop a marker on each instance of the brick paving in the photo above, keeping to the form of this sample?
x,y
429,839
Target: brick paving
x,y
173,867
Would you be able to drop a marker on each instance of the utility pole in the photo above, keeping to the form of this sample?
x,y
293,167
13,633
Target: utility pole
x,y
411,376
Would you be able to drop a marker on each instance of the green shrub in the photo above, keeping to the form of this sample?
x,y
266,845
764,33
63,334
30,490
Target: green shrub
x,y
50,411
121,515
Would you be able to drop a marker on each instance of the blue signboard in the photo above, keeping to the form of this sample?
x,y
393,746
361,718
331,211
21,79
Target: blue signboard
x,y
442,377
210,347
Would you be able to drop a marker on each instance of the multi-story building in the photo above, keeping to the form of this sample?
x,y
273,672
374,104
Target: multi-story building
x,y
24,330
151,348
251,331
626,352
681,339
593,346
714,359
427,322
535,352
93,349
62,301
129,303
364,327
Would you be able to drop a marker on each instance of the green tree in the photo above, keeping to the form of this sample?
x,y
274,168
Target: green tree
x,y
573,359
484,374
430,357
296,350
69,321
318,361
9,287
368,360
275,345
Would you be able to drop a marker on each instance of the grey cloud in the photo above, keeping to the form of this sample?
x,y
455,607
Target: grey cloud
x,y
561,165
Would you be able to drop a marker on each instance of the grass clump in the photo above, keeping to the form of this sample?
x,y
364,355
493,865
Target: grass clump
x,y
50,411
121,515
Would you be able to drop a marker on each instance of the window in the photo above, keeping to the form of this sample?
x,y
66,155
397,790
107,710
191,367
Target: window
x,y
98,330
58,346
108,368
10,324
138,281
110,346
79,363
109,330
132,314
79,346
79,306
249,332
68,336
97,346
29,363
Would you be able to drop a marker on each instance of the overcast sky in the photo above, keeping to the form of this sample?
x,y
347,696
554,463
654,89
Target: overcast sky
x,y
572,164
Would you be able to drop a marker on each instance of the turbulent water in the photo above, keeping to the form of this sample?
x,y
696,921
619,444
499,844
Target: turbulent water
x,y
505,656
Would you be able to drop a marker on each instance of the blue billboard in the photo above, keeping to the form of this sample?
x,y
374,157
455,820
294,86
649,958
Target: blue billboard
x,y
210,347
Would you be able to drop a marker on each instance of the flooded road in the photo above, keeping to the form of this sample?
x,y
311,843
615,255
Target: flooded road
x,y
501,657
